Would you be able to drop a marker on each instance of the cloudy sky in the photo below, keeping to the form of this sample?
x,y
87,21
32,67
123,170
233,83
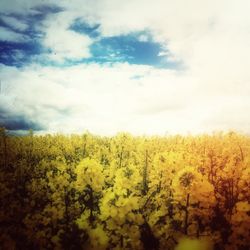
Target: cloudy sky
x,y
142,66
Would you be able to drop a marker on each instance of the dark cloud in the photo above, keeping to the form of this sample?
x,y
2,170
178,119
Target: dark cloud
x,y
17,54
21,52
45,9
83,27
18,122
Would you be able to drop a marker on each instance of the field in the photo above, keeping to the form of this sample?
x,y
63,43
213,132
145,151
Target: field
x,y
125,192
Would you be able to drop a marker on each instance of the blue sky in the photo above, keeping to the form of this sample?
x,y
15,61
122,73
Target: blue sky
x,y
26,45
147,67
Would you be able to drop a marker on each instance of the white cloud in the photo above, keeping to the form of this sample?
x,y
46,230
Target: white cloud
x,y
8,35
211,38
63,42
15,23
143,38
108,99
23,6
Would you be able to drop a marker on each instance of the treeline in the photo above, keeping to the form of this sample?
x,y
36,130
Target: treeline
x,y
124,192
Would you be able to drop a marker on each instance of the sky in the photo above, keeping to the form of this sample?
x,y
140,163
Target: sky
x,y
141,66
